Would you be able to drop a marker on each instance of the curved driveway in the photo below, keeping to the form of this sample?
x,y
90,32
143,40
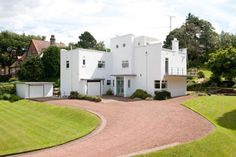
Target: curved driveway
x,y
132,126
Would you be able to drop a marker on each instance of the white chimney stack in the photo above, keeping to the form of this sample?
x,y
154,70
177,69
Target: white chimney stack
x,y
175,45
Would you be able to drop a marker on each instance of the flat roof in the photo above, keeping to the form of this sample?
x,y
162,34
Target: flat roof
x,y
92,79
34,83
123,75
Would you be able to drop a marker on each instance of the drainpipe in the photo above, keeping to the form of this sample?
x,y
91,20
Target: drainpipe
x,y
146,55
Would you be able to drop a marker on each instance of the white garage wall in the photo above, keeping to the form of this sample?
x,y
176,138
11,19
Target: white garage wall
x,y
177,86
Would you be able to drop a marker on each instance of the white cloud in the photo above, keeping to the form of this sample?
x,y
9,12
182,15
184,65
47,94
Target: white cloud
x,y
105,19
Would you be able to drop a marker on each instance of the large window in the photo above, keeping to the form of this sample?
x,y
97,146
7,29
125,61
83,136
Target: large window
x,y
160,84
101,64
67,64
125,64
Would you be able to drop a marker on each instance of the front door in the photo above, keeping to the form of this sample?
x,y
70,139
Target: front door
x,y
120,86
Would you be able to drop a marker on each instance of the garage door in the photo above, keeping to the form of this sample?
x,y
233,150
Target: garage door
x,y
94,88
35,91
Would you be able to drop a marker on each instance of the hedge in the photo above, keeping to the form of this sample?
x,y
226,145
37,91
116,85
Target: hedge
x,y
7,88
162,95
76,95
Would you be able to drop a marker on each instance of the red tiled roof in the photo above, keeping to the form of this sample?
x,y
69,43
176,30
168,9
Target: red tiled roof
x,y
40,45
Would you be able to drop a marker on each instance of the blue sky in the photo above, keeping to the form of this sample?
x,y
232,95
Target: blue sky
x,y
108,18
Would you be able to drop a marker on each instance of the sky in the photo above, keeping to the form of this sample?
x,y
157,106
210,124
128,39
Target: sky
x,y
104,19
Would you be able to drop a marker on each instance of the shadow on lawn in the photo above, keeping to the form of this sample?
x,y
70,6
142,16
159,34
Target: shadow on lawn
x,y
228,120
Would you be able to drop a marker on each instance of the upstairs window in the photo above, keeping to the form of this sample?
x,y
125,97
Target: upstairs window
x,y
125,64
123,44
101,64
67,64
117,46
108,82
83,61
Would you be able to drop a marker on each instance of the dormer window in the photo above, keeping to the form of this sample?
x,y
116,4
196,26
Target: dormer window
x,y
123,44
117,46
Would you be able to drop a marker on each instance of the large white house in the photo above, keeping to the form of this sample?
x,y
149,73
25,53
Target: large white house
x,y
133,63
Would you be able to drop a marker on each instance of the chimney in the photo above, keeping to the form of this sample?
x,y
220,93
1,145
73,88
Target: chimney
x,y
52,40
175,45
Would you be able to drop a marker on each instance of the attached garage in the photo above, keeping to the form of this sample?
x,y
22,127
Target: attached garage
x,y
94,87
34,89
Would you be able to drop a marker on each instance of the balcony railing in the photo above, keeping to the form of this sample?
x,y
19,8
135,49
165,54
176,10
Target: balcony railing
x,y
181,71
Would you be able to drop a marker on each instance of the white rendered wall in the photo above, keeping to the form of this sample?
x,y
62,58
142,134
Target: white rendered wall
x,y
177,86
22,90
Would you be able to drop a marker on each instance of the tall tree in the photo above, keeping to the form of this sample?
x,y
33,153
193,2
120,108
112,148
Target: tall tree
x,y
198,36
31,70
86,40
51,61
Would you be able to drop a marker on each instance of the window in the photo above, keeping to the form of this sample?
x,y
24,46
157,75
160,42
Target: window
x,y
101,64
108,82
166,65
117,46
129,83
138,43
113,83
125,64
123,44
83,61
67,64
157,84
163,84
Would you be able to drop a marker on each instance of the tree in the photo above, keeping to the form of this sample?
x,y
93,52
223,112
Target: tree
x,y
13,45
51,61
223,63
227,40
100,46
86,40
198,36
31,70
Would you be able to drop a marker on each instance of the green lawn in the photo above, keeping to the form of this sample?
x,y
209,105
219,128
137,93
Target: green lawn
x,y
27,125
221,111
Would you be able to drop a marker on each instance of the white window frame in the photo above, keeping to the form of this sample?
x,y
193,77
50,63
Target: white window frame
x,y
125,64
101,64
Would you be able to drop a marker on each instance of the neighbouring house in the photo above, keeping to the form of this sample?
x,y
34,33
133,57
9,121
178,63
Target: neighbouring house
x,y
36,48
133,63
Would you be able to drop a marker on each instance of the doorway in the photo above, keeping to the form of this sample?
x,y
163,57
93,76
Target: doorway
x,y
120,86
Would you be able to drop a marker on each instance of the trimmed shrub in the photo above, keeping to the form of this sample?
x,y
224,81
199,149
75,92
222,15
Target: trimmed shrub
x,y
200,74
162,95
109,92
74,95
139,93
7,88
9,97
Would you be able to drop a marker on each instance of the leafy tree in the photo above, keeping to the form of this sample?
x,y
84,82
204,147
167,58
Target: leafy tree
x,y
51,61
86,40
198,36
227,40
223,63
31,70
13,45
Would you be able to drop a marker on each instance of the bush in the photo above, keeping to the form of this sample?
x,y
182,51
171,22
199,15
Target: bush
x,y
9,97
162,95
7,88
109,92
4,78
74,95
200,75
12,79
139,93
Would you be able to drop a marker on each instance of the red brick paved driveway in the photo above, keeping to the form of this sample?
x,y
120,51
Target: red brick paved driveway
x,y
132,126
